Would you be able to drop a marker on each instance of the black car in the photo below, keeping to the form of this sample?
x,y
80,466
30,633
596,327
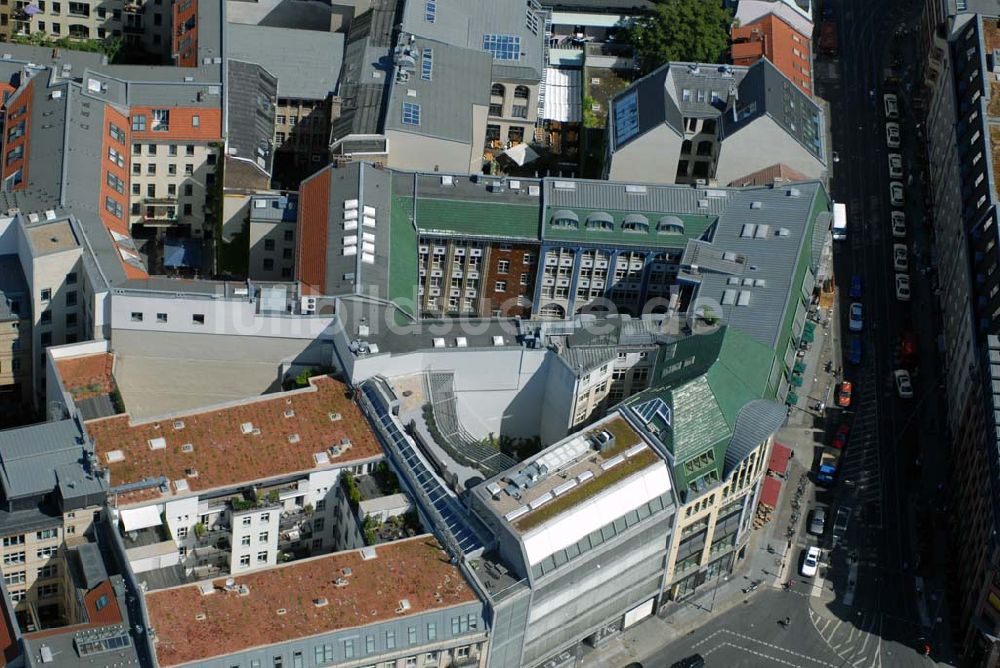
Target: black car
x,y
693,661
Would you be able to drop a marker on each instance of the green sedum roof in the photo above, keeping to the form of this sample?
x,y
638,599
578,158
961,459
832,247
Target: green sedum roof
x,y
695,227
402,258
480,219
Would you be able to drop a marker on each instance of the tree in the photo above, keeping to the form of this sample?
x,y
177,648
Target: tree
x,y
694,31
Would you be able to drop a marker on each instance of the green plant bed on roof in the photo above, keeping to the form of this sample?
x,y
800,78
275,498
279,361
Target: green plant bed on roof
x,y
625,436
581,492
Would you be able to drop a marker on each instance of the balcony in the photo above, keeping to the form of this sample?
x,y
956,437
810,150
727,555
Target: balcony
x,y
133,7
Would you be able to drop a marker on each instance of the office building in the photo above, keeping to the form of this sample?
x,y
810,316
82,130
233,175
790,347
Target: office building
x,y
772,38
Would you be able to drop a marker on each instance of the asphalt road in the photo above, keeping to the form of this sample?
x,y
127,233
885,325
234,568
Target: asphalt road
x,y
873,616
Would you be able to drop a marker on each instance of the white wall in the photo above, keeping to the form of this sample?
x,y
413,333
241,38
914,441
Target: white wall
x,y
222,316
54,391
651,158
557,404
761,145
8,236
417,152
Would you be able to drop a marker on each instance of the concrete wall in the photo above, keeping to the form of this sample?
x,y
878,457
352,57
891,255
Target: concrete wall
x,y
651,158
417,152
221,316
762,144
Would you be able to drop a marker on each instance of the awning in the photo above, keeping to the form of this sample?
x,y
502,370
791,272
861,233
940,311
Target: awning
x,y
521,154
808,335
770,491
800,367
31,10
796,381
135,519
562,95
791,399
780,454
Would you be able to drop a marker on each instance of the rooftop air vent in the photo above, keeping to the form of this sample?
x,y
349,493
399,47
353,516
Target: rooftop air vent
x,y
403,607
187,447
294,438
115,456
321,602
178,425
335,417
159,443
604,440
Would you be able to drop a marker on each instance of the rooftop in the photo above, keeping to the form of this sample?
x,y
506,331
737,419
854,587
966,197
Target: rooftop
x,y
87,375
306,62
36,459
574,471
52,237
280,605
250,440
774,38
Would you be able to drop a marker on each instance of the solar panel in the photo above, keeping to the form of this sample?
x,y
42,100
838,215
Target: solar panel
x,y
503,47
427,64
430,11
411,113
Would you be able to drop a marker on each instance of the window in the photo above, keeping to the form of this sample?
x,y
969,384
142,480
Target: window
x,y
503,47
348,649
188,190
519,111
56,27
188,169
195,120
245,541
461,652
172,150
431,632
188,209
503,266
46,552
46,317
324,654
524,279
49,571
189,149
152,149
318,524
496,109
116,157
136,316
262,557
10,541
182,532
172,170
71,278
48,590
269,244
528,258
411,113
116,183
113,207
390,640
262,537
280,119
13,558
151,169
501,286
198,319
245,561
289,235
286,253
498,90
139,123
279,662
14,577
161,120
411,635
521,93
46,534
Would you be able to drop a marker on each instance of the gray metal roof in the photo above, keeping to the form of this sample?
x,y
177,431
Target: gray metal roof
x,y
765,267
464,24
459,79
616,196
253,93
13,289
627,7
765,90
692,85
306,62
756,422
29,456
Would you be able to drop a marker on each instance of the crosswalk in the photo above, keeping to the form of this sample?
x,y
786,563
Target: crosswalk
x,y
856,641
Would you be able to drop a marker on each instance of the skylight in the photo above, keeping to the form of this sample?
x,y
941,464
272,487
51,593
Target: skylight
x,y
503,47
411,113
427,64
430,11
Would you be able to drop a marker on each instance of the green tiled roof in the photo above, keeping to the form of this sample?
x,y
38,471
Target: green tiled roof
x,y
481,219
694,227
706,382
402,258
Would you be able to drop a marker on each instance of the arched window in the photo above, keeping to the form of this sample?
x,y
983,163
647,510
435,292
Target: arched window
x,y
565,219
521,93
636,223
498,90
601,221
670,225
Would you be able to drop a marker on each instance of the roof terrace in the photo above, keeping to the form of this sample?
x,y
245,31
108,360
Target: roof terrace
x,y
570,473
305,598
260,438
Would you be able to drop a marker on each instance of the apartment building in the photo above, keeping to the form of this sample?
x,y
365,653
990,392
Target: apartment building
x,y
430,617
139,23
305,87
961,146
15,337
272,222
190,507
51,499
710,124
772,38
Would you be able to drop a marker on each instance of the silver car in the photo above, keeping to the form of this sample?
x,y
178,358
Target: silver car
x,y
892,135
896,193
895,166
900,258
817,522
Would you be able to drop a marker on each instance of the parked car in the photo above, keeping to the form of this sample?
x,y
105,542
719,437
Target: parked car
x,y
898,220
840,523
903,287
844,394
896,196
892,135
693,661
895,166
810,564
840,438
854,353
900,257
855,290
817,522
891,106
904,388
856,322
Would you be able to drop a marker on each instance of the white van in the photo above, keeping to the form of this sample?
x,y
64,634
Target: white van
x,y
891,106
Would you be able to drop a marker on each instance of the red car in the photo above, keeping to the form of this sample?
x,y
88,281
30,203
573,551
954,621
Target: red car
x,y
844,394
840,438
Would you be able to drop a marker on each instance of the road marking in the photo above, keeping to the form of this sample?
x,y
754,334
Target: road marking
x,y
768,657
750,639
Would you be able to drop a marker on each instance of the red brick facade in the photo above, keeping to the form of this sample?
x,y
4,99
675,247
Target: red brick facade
x,y
314,214
507,299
